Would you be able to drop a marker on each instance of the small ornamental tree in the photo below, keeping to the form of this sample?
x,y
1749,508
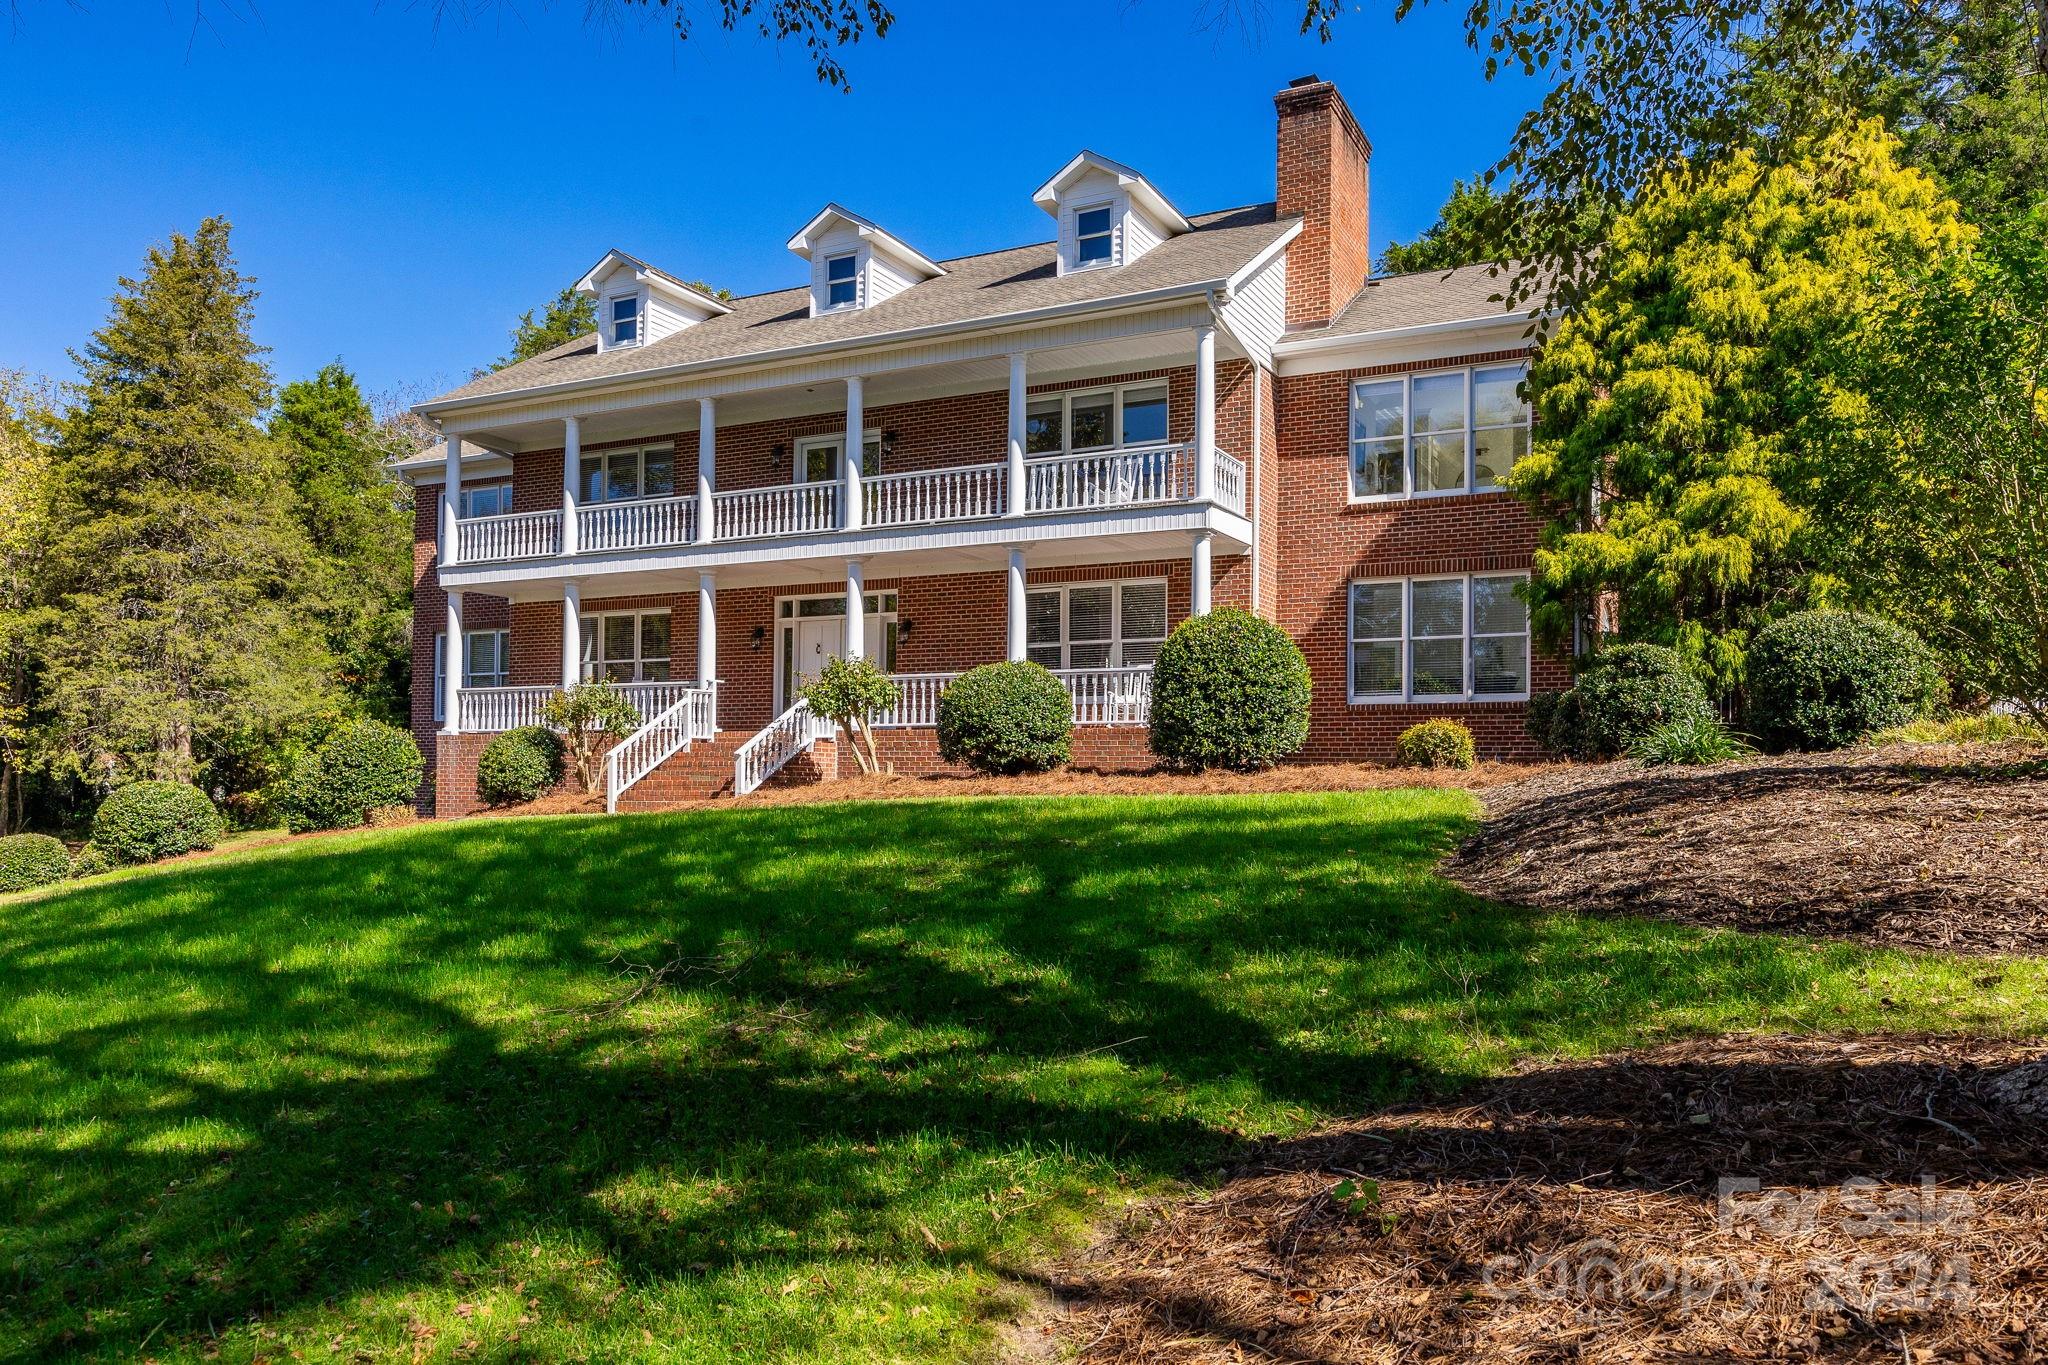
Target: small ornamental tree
x,y
584,714
1230,690
850,693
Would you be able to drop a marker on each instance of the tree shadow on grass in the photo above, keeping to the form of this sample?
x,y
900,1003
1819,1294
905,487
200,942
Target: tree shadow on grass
x,y
273,1086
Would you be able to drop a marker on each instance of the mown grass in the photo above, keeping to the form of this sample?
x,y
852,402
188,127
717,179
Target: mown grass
x,y
422,1094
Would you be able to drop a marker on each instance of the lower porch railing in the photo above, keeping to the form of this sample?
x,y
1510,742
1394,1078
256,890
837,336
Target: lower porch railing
x,y
1102,696
490,710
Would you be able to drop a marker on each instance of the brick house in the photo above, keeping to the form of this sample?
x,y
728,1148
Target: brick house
x,y
1065,448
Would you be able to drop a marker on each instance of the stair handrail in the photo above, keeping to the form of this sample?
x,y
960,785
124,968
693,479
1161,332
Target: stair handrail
x,y
655,743
780,740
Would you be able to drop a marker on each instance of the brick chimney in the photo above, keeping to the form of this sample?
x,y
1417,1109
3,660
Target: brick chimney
x,y
1323,173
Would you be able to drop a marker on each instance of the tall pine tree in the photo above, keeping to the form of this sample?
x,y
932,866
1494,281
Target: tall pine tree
x,y
26,617
358,524
177,551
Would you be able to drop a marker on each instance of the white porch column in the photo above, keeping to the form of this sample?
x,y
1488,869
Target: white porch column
x,y
849,457
707,628
572,635
451,499
856,611
1017,618
451,668
1205,413
707,468
572,477
1019,405
1199,576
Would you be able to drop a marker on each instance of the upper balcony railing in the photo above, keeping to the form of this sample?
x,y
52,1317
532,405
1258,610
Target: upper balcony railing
x,y
1145,476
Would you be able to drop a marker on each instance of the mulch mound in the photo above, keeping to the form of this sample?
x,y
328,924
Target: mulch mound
x,y
1891,1205
1918,846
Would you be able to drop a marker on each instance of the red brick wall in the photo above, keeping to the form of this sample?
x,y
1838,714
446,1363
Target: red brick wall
x,y
1322,172
1097,748
429,616
1327,542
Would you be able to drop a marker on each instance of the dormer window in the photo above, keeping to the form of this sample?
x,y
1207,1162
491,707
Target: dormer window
x,y
1095,236
625,320
842,280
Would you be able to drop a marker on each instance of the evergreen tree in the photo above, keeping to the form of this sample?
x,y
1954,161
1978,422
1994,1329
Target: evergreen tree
x,y
358,524
1675,406
177,553
565,317
26,616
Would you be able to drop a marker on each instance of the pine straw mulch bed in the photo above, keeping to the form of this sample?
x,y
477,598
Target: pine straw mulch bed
x,y
1915,846
1574,1212
1330,777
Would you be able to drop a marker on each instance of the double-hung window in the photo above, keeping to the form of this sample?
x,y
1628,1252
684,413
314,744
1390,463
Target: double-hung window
x,y
842,281
485,499
817,457
626,646
625,320
1446,432
1095,235
486,662
1096,419
1453,638
1095,625
619,475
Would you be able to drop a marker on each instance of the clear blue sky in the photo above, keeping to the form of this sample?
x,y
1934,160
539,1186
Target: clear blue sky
x,y
401,190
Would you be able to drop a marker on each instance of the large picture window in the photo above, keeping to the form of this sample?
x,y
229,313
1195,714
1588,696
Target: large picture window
x,y
1458,638
1446,432
626,646
1096,419
622,475
1095,625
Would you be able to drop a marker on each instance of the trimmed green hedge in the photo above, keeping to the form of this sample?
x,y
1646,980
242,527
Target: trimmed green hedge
x,y
91,861
1230,690
519,765
1628,692
145,821
1436,744
1006,718
362,766
1826,679
28,860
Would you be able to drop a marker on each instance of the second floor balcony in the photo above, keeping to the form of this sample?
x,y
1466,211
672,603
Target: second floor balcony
x,y
1160,475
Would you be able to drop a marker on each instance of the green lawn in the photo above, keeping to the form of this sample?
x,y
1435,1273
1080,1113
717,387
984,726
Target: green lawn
x,y
415,1094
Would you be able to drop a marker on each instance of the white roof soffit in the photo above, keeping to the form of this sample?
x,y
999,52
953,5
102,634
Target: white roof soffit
x,y
867,228
1137,186
653,278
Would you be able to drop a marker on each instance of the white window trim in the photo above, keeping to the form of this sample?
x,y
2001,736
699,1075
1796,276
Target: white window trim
x,y
1407,381
1116,236
1066,397
804,445
1116,618
610,323
587,668
441,665
825,281
1407,695
469,491
606,455
786,624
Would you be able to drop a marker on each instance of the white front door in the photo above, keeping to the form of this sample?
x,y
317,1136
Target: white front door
x,y
819,639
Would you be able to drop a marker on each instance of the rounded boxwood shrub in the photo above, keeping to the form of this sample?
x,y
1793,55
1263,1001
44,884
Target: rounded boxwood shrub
x,y
1230,690
1006,718
1629,691
1435,744
363,765
91,861
145,821
28,860
519,765
1826,679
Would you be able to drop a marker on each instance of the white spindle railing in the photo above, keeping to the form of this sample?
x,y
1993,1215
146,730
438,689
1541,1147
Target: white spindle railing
x,y
652,698
1110,478
519,535
958,493
1229,482
1109,696
641,524
917,700
782,739
490,710
785,510
692,716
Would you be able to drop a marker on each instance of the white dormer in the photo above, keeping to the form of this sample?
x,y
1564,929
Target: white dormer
x,y
637,303
1108,214
855,263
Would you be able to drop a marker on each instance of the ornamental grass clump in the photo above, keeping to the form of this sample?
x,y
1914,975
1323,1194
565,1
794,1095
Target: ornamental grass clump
x,y
1230,690
1691,742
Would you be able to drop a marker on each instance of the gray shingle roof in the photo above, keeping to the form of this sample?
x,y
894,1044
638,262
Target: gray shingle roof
x,y
1416,300
974,287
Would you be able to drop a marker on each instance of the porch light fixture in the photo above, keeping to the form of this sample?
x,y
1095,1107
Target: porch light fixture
x,y
903,629
888,447
778,452
760,635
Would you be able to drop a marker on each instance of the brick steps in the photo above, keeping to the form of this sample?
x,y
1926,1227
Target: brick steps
x,y
700,773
